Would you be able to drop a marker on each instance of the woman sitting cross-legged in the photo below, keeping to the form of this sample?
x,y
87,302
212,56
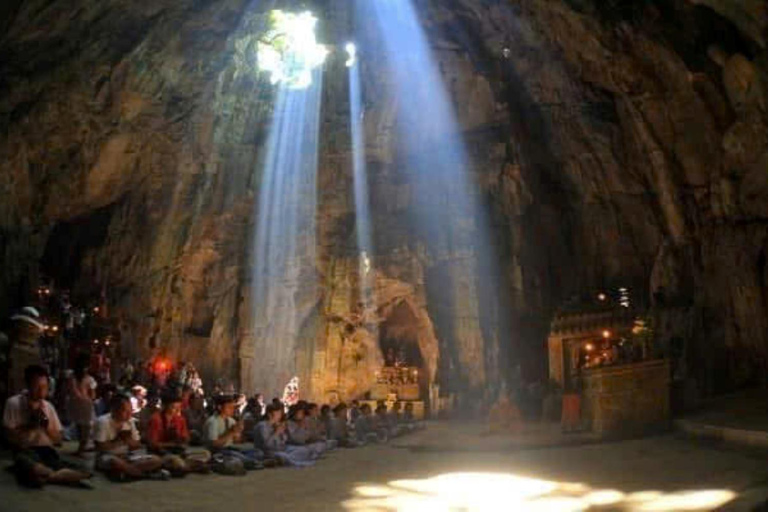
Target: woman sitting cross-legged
x,y
118,445
271,437
168,437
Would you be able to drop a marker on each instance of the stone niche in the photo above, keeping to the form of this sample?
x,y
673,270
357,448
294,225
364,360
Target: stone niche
x,y
351,348
628,399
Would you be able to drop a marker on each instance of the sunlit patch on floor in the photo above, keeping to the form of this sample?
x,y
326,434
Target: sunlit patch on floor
x,y
506,491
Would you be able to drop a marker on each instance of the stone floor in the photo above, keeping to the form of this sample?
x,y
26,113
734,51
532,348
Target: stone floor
x,y
747,410
450,467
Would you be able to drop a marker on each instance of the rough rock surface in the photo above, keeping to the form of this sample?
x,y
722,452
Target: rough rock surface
x,y
613,149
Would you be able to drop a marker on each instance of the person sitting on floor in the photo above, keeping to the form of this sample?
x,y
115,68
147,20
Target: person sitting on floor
x,y
168,437
186,396
222,434
409,420
353,412
118,445
101,405
262,406
383,426
338,430
393,420
142,420
32,428
365,426
271,437
326,419
196,416
251,416
318,431
241,402
299,433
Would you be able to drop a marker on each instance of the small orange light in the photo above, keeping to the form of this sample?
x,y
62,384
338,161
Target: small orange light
x,y
55,328
589,347
96,310
601,297
606,334
95,342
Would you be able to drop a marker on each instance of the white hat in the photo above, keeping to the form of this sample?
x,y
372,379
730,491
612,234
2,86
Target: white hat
x,y
33,320
29,310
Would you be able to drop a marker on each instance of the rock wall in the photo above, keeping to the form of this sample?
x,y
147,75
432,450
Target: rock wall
x,y
611,148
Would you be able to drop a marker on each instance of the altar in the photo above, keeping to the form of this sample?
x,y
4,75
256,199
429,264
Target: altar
x,y
613,382
398,383
402,381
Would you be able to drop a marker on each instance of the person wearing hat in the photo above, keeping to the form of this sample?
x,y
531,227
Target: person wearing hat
x,y
26,328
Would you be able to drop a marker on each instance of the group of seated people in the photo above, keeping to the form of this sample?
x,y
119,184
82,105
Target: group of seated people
x,y
176,440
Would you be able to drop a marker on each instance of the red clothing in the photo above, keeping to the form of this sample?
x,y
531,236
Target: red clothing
x,y
160,430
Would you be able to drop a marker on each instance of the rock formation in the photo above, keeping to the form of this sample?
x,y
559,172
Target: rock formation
x,y
612,147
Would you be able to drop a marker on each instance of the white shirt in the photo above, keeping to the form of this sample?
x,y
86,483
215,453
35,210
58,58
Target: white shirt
x,y
107,431
16,414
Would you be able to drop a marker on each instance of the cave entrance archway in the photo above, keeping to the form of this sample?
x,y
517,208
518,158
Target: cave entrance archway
x,y
399,337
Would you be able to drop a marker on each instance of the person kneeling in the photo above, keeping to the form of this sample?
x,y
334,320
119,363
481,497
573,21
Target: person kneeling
x,y
168,437
271,437
118,446
32,428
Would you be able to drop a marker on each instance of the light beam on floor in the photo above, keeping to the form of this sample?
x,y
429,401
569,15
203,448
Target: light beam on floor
x,y
506,491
